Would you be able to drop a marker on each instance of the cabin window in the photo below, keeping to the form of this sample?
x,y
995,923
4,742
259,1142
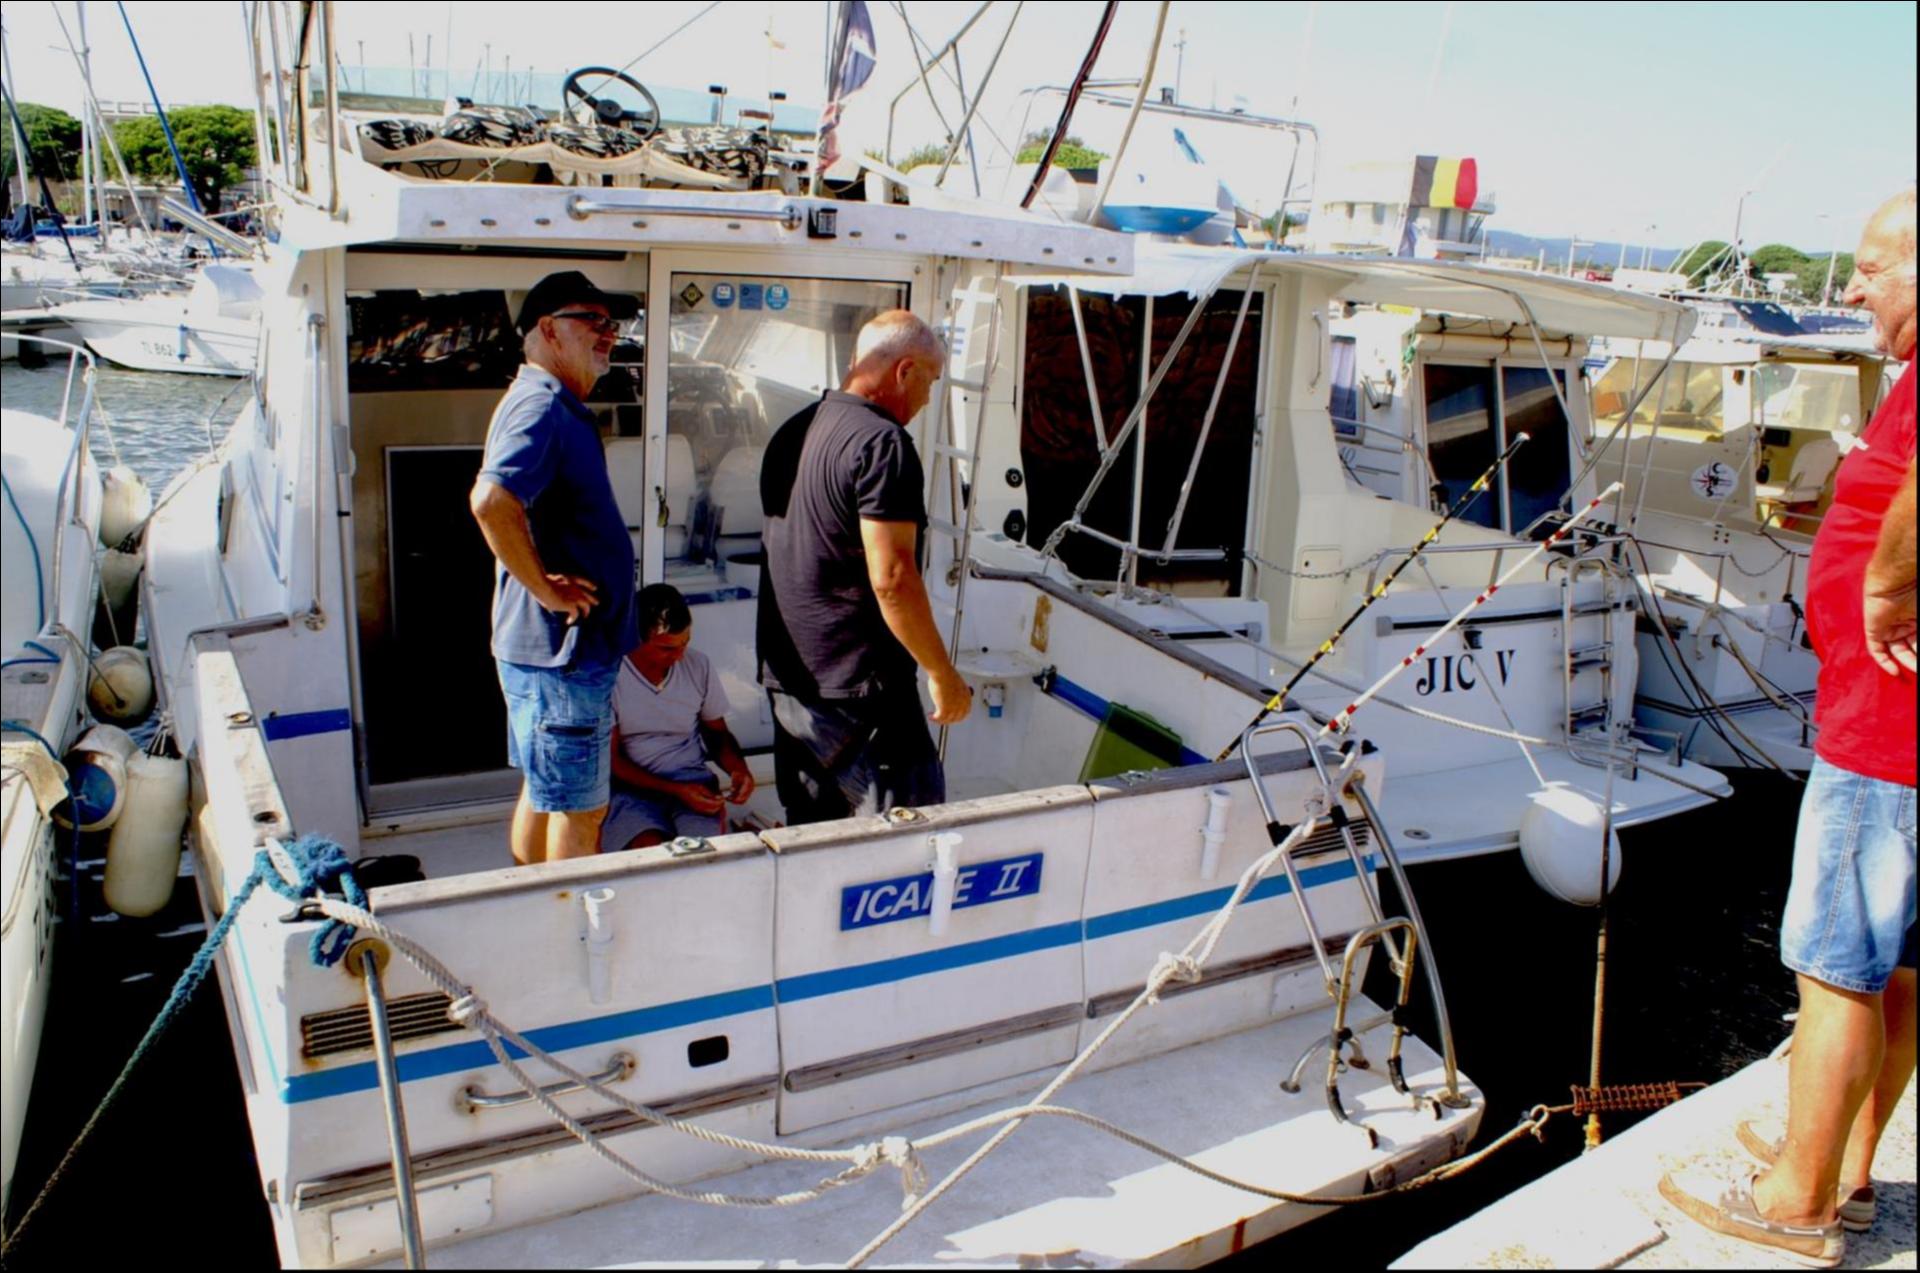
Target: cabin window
x,y
1127,336
1690,396
1539,472
1343,402
744,354
1461,441
1806,396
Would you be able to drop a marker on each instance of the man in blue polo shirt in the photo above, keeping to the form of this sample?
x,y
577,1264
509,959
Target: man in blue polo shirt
x,y
563,594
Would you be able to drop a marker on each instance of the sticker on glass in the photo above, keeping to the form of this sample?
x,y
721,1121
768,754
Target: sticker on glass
x,y
776,296
752,295
692,295
723,295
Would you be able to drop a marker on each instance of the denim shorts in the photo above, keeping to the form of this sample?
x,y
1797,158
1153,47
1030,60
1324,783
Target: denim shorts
x,y
1850,910
631,812
560,733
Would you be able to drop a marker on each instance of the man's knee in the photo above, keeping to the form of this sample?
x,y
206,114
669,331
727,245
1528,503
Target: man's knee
x,y
583,819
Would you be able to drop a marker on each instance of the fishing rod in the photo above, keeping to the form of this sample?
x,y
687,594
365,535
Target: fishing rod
x,y
1467,497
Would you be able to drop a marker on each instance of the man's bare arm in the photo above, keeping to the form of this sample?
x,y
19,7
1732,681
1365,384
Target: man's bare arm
x,y
902,595
503,524
1890,586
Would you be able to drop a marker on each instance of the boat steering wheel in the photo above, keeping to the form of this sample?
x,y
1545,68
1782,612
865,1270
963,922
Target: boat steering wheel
x,y
607,111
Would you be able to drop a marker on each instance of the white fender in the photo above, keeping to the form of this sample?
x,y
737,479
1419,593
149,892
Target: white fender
x,y
121,687
1560,844
143,853
127,504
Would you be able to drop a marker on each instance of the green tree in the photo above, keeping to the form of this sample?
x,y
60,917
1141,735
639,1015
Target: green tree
x,y
1694,264
1778,258
216,144
53,143
1811,279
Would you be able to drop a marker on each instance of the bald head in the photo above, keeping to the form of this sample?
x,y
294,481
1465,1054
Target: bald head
x,y
1883,275
896,359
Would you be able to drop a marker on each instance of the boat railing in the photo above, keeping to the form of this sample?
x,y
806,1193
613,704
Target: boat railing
x,y
283,96
81,371
1497,551
1792,554
1402,445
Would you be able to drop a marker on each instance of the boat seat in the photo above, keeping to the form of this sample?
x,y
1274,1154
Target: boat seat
x,y
1813,466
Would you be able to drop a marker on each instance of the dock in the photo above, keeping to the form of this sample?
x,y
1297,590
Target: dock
x,y
1604,1209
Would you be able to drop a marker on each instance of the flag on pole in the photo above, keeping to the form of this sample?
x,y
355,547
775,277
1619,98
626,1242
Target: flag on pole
x,y
1437,183
854,68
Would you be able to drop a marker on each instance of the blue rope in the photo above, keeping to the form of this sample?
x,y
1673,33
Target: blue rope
x,y
36,647
319,861
321,864
39,579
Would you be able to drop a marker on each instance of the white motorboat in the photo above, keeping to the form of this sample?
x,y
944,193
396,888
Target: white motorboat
x,y
213,329
824,999
48,528
1730,459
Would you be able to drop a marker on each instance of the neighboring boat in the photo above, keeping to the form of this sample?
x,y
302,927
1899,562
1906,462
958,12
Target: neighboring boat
x,y
213,329
316,605
1729,461
48,529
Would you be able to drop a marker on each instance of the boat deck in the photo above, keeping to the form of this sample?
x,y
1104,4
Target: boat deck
x,y
1058,1193
1604,1210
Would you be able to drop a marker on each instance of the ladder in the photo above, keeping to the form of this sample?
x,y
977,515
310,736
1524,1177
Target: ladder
x,y
1403,937
1590,632
954,435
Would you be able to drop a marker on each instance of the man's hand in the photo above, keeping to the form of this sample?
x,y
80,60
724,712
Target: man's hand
x,y
952,698
569,595
1890,629
699,797
742,785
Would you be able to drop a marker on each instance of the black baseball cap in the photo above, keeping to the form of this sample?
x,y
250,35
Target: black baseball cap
x,y
556,292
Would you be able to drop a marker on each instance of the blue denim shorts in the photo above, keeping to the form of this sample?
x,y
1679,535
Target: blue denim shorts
x,y
560,733
1850,910
631,812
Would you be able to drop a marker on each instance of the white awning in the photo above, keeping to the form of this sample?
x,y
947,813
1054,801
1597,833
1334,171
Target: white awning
x,y
1559,306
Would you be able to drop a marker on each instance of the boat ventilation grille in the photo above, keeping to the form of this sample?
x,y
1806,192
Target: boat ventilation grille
x,y
1327,839
347,1029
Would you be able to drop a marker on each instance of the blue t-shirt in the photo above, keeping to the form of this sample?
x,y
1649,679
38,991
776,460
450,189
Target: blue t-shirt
x,y
544,449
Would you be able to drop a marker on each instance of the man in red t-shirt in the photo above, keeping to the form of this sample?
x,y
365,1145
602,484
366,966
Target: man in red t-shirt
x,y
1848,931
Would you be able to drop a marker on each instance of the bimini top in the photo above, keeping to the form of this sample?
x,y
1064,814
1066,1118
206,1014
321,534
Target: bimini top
x,y
1553,305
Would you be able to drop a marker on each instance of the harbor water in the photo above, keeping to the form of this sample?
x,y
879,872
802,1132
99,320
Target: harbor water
x,y
1694,988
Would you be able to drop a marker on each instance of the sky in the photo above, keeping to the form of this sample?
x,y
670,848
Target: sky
x,y
1634,122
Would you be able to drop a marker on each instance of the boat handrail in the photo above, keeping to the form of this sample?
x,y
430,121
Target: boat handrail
x,y
78,452
1498,549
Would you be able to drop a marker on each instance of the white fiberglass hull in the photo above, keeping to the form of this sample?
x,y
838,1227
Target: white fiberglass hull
x,y
43,689
143,336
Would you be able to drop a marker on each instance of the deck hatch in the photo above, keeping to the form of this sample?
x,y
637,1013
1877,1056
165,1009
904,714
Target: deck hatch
x,y
348,1029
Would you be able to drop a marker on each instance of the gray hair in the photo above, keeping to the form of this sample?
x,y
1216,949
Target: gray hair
x,y
894,335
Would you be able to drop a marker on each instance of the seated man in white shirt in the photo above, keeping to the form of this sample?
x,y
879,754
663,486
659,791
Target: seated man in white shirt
x,y
669,720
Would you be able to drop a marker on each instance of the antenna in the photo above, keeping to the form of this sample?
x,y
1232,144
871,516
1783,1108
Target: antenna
x,y
1180,62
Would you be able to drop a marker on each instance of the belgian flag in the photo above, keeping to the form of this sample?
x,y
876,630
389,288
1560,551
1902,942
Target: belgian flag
x,y
1444,183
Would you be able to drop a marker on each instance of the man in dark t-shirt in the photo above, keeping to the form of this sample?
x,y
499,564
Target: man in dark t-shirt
x,y
844,622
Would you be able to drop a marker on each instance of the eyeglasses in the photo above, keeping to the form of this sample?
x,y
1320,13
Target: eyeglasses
x,y
600,323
